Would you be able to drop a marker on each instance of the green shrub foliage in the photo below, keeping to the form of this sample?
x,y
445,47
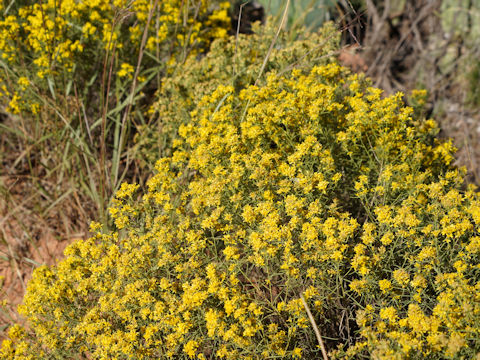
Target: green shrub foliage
x,y
309,183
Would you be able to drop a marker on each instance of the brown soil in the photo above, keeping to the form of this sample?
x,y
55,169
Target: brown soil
x,y
26,241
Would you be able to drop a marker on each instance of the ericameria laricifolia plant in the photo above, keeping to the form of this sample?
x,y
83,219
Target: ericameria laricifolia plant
x,y
311,184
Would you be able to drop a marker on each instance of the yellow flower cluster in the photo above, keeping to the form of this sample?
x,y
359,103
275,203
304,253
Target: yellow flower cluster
x,y
310,184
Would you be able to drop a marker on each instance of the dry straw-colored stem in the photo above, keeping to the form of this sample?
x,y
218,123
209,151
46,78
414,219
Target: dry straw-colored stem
x,y
282,24
315,328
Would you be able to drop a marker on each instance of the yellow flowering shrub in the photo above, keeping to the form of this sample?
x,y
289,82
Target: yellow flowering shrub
x,y
76,79
50,47
309,184
235,61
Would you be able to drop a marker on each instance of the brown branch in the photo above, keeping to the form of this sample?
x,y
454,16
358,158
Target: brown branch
x,y
315,328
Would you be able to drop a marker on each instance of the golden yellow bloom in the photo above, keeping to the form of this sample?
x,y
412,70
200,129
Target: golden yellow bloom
x,y
190,348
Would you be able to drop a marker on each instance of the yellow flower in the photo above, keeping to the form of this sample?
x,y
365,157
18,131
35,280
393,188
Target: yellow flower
x,y
190,348
389,313
358,285
125,70
385,285
401,276
297,353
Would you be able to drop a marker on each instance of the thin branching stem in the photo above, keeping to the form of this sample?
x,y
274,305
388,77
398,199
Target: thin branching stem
x,y
315,328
